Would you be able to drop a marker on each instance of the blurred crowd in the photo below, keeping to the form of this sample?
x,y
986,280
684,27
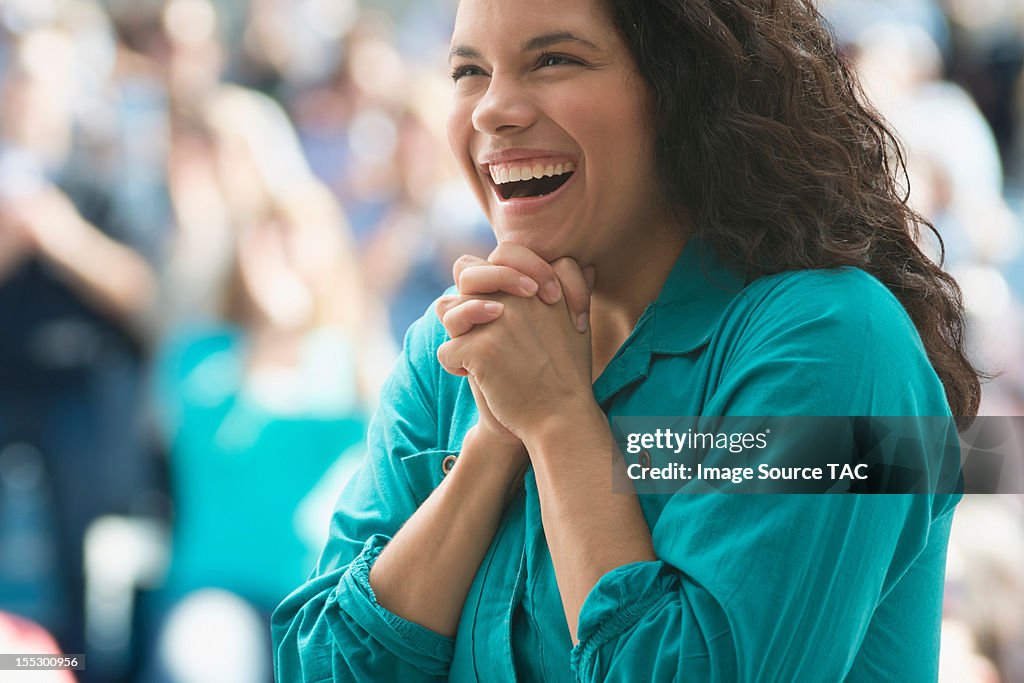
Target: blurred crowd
x,y
217,220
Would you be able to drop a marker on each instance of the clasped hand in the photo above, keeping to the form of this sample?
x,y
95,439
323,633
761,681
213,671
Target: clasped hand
x,y
520,331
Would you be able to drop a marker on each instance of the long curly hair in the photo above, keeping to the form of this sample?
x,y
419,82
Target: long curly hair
x,y
766,141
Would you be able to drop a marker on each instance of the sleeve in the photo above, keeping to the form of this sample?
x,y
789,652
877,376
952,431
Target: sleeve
x,y
332,628
777,587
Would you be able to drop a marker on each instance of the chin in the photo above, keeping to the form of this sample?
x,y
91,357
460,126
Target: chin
x,y
540,241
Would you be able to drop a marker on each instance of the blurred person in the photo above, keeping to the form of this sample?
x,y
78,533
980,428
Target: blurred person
x,y
957,183
429,222
200,250
988,58
290,45
960,184
349,126
217,165
75,281
195,56
696,215
258,405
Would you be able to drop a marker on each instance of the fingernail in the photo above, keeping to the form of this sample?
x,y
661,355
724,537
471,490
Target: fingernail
x,y
582,320
493,308
552,292
528,286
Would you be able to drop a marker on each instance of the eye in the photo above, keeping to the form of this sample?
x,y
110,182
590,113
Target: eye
x,y
548,59
463,71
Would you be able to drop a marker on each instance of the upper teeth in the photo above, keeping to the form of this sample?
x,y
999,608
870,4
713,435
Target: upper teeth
x,y
511,173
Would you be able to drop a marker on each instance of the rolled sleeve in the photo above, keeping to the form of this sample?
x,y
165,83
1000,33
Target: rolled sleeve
x,y
420,647
618,600
645,621
334,630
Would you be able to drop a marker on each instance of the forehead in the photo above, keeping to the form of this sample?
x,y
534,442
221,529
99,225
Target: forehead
x,y
494,21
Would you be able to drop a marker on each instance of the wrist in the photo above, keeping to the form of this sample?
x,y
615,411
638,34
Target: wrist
x,y
577,425
492,456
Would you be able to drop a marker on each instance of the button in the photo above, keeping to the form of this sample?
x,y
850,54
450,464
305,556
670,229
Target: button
x,y
448,463
645,459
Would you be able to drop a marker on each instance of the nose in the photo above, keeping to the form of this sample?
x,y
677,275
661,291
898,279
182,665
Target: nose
x,y
504,108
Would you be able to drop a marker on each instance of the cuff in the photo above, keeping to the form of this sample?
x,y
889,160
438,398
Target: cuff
x,y
409,641
615,604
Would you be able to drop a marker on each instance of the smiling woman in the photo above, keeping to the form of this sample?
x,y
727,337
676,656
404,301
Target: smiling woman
x,y
696,216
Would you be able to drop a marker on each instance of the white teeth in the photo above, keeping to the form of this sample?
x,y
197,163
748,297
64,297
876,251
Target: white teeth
x,y
502,174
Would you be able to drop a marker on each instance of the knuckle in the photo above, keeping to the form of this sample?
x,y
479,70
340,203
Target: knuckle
x,y
461,264
451,321
565,265
509,276
497,252
443,304
446,356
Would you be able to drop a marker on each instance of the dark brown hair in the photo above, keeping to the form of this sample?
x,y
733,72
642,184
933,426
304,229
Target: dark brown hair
x,y
766,141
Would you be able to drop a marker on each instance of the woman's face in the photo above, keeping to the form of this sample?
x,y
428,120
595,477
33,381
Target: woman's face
x,y
548,91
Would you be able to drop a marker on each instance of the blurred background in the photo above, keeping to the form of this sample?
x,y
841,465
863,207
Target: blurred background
x,y
217,220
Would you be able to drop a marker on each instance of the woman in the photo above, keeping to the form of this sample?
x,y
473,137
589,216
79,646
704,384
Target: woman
x,y
709,166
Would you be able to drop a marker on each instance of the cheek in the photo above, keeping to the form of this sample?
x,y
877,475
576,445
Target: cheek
x,y
633,145
452,129
459,129
460,133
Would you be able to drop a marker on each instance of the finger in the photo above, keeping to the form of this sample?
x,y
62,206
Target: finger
x,y
467,315
447,303
489,278
577,291
449,355
466,261
532,266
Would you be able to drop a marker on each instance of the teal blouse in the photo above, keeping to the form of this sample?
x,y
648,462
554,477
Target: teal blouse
x,y
745,588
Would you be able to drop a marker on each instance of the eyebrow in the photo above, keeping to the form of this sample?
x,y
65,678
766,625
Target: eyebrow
x,y
537,43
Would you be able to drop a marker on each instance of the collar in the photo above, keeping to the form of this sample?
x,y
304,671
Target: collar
x,y
698,290
695,295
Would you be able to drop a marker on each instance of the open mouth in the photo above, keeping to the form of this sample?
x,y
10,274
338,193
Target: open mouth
x,y
526,183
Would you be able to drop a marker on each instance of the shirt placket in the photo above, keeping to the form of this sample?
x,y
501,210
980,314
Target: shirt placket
x,y
492,625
